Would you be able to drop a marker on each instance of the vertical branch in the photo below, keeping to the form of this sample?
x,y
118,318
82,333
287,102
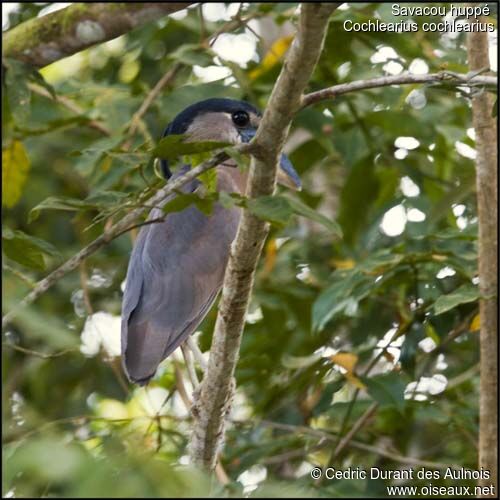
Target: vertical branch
x,y
213,400
486,182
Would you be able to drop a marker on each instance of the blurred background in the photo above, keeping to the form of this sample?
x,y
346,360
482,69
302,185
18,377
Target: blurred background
x,y
385,317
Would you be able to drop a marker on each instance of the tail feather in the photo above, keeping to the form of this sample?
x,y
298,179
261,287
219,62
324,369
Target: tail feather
x,y
144,352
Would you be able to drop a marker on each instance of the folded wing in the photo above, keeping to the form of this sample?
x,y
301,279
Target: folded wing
x,y
175,273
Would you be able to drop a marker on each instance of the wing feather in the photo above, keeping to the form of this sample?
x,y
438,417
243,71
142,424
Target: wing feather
x,y
175,273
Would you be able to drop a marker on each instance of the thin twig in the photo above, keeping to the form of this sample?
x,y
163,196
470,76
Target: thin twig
x,y
354,429
186,353
82,419
69,104
202,23
18,274
114,363
83,282
366,371
38,354
233,24
152,95
458,330
191,343
181,387
463,377
443,77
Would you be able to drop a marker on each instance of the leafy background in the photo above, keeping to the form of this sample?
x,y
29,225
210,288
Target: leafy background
x,y
385,315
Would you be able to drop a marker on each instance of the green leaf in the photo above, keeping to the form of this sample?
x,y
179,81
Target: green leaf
x,y
196,159
275,209
230,200
409,348
89,158
36,77
26,250
301,208
135,159
15,170
98,200
279,209
430,332
183,200
361,184
455,195
387,389
57,203
295,362
338,298
209,180
19,95
27,256
462,295
329,390
102,199
175,145
381,261
193,54
52,125
178,203
29,458
350,286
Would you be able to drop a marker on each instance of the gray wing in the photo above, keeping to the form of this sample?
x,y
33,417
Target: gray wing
x,y
175,273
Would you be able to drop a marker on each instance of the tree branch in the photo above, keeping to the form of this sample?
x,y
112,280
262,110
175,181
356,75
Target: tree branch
x,y
152,95
331,437
213,400
443,77
43,40
69,104
486,183
112,232
31,352
355,428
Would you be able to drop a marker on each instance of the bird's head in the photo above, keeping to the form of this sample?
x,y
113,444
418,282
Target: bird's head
x,y
225,120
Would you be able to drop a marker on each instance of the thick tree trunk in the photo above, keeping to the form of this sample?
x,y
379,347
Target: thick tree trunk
x,y
486,182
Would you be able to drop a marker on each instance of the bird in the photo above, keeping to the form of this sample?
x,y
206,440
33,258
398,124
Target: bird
x,y
176,268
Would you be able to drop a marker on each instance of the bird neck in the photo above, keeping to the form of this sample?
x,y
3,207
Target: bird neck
x,y
231,179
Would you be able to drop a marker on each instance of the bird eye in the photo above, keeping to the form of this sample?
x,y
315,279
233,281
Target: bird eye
x,y
240,118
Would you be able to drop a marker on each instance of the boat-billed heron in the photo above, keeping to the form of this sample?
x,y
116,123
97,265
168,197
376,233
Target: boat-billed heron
x,y
177,266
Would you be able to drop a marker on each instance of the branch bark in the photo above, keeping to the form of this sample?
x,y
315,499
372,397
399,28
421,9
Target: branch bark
x,y
485,127
213,401
43,40
443,77
112,232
